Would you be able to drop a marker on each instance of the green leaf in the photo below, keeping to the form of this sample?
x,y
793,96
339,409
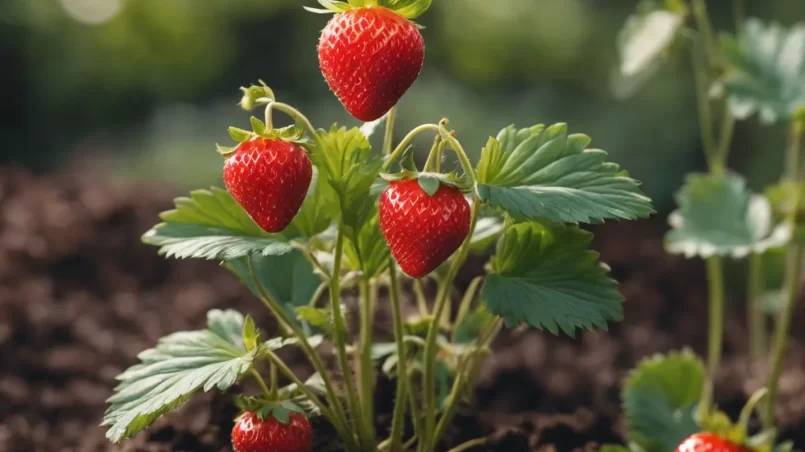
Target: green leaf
x,y
659,398
719,215
767,73
545,276
544,173
365,248
314,216
645,38
181,364
211,225
345,161
251,336
289,279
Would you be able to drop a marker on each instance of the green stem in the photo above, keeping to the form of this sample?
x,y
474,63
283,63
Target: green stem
x,y
421,300
755,314
272,371
452,402
262,383
705,115
400,149
782,328
469,445
796,251
388,137
268,117
296,115
434,152
740,14
706,31
282,317
466,302
462,156
429,374
368,294
727,133
398,418
715,278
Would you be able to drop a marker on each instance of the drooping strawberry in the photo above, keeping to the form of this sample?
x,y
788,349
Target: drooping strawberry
x,y
708,442
422,231
369,57
252,434
269,178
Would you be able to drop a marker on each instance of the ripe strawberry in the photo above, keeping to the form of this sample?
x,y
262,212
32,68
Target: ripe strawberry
x,y
251,434
370,57
423,231
707,442
269,178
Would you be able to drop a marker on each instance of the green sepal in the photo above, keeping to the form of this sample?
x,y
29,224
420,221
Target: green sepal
x,y
239,135
410,9
251,335
428,184
225,151
252,94
258,126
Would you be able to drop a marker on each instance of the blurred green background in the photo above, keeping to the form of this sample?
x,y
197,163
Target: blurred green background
x,y
145,88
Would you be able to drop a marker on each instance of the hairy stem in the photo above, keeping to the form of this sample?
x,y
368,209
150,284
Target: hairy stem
x,y
262,383
388,137
400,149
340,416
705,114
706,31
421,300
796,252
715,279
755,314
340,341
368,294
296,115
398,418
272,371
429,374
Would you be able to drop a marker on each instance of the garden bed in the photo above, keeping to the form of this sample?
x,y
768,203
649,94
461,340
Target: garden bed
x,y
80,297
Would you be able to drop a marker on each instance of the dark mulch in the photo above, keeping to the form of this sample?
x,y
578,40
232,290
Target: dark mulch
x,y
80,296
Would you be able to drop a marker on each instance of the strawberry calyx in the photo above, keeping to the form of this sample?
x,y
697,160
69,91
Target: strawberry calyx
x,y
409,9
719,424
265,409
429,182
256,95
291,134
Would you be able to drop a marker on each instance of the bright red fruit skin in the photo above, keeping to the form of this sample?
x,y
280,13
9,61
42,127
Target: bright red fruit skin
x,y
269,178
251,434
370,57
423,231
707,442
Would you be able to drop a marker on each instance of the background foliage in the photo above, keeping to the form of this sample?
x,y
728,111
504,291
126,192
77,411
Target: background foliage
x,y
145,85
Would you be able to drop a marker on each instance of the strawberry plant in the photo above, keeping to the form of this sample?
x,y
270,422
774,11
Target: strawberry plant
x,y
759,70
312,217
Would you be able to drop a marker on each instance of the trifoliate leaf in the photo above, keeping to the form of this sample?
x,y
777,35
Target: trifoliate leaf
x,y
545,276
181,364
645,38
314,216
365,248
659,398
544,173
211,225
767,73
289,279
345,161
719,215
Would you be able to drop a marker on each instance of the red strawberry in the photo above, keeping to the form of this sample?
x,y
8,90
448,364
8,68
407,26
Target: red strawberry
x,y
269,178
707,442
423,231
370,57
251,434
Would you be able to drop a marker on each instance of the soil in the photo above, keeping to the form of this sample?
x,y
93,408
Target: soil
x,y
80,297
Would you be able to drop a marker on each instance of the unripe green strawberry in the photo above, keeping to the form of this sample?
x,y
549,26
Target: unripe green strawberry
x,y
707,442
269,178
422,231
251,434
370,57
